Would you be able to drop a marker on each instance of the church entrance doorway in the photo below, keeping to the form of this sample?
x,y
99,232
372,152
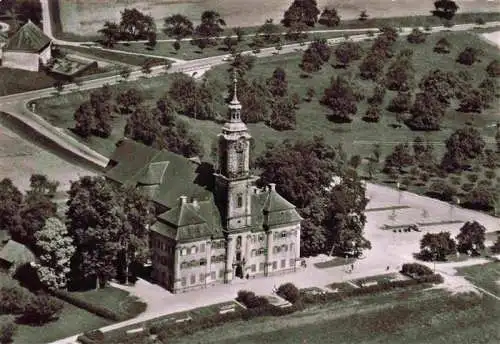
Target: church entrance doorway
x,y
239,271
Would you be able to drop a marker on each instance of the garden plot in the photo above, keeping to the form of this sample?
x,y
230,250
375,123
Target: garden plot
x,y
374,280
71,66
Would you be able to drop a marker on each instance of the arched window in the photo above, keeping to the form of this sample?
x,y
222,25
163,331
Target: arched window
x,y
252,253
184,265
193,249
284,248
184,251
239,200
291,247
261,251
283,234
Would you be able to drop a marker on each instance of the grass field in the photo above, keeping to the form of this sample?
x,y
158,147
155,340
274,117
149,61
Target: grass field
x,y
409,316
486,276
357,137
17,80
189,51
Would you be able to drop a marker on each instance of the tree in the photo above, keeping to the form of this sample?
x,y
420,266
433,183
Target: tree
x,y
136,25
84,117
496,246
488,90
297,31
242,64
254,97
134,235
400,76
179,139
436,246
269,31
329,17
401,103
240,33
345,218
289,292
472,102
8,329
442,190
372,66
36,209
471,237
316,55
462,146
427,113
152,39
94,219
443,85
445,9
497,139
39,183
372,114
469,56
277,83
363,15
305,11
178,26
29,10
125,73
110,33
399,158
347,52
143,126
480,198
210,26
339,98
59,85
41,309
416,36
442,46
55,250
177,45
493,68
128,100
282,115
11,200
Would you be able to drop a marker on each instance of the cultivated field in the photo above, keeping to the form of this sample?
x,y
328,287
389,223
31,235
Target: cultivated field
x,y
85,17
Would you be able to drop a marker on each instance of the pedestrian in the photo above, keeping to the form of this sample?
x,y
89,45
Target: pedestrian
x,y
387,268
247,276
352,267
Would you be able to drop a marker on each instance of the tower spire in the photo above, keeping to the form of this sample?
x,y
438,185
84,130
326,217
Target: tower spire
x,y
235,88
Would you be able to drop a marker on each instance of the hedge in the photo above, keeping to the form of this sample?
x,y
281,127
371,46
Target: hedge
x,y
188,327
92,308
416,269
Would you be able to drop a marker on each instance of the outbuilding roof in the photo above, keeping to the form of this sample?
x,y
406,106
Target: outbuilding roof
x,y
29,38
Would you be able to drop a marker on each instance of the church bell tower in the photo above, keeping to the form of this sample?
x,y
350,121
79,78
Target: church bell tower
x,y
232,175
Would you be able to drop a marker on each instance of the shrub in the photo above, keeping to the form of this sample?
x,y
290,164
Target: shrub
x,y
416,270
472,177
467,187
372,114
42,309
480,21
490,174
7,330
493,68
468,56
13,299
250,300
416,37
289,292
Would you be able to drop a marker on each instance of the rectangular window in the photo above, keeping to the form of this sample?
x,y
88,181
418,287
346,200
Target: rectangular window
x,y
221,273
283,263
193,279
283,234
193,250
239,200
183,281
275,265
254,267
202,248
292,263
241,162
261,267
212,275
202,277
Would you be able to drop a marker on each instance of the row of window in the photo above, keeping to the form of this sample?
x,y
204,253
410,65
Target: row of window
x,y
201,278
284,235
193,250
274,265
202,262
161,245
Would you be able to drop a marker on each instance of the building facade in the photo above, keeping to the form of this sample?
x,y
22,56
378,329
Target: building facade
x,y
27,49
219,229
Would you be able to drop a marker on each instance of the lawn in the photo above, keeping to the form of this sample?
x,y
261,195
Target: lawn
x,y
114,299
72,320
409,316
486,276
357,137
18,80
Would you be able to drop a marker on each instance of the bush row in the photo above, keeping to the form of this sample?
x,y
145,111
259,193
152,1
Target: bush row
x,y
92,308
250,300
165,331
377,288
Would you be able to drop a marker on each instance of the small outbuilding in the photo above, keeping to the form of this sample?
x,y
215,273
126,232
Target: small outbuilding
x,y
27,49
